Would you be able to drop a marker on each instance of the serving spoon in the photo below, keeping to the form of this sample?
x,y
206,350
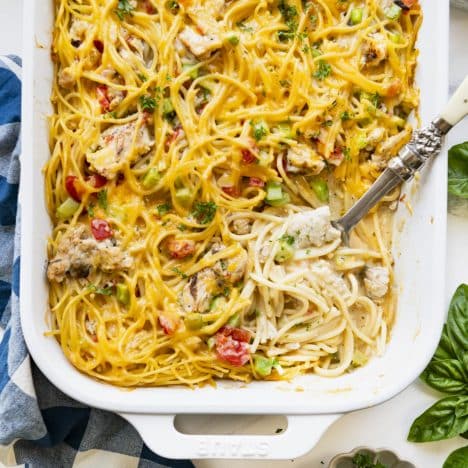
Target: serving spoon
x,y
424,145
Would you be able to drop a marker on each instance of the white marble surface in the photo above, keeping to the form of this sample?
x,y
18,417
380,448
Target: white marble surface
x,y
382,426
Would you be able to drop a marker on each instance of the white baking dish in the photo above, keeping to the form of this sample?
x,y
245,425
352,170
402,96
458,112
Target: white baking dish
x,y
311,403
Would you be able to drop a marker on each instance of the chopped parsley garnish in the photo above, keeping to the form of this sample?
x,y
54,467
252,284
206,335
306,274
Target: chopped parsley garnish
x,y
107,291
285,83
323,70
181,227
124,8
102,199
327,123
345,116
148,103
288,239
180,273
111,115
259,129
91,210
347,154
364,460
163,209
204,212
289,14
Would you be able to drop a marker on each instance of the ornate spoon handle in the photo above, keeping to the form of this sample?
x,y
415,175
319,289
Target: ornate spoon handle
x,y
425,144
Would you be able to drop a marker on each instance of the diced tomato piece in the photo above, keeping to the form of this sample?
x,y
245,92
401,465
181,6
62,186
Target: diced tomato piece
x,y
181,248
406,4
97,180
99,45
231,190
167,324
101,229
247,156
394,89
238,334
232,345
256,182
149,7
74,188
172,137
103,97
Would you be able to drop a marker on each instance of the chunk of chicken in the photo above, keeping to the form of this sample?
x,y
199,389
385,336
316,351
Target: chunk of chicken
x,y
301,158
324,271
79,253
376,281
199,44
120,144
232,269
67,77
374,50
199,291
312,227
137,48
241,226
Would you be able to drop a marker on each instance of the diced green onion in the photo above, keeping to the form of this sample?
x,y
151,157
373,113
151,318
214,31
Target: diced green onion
x,y
193,321
151,178
234,321
356,15
123,293
168,110
286,130
119,212
359,359
395,38
183,195
285,251
263,366
274,191
234,40
393,12
320,188
193,72
275,195
216,302
68,208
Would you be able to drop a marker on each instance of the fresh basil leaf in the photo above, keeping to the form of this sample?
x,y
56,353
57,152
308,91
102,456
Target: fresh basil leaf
x,y
458,170
445,348
445,419
446,375
457,459
457,322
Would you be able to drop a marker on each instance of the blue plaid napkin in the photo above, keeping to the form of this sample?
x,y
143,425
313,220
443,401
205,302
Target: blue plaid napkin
x,y
40,426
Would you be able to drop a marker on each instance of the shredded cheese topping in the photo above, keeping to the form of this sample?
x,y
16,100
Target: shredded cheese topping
x,y
199,150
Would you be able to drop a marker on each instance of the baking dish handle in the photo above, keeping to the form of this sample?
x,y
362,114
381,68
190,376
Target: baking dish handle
x,y
161,436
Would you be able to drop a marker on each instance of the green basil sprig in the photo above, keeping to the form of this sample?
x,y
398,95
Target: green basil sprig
x,y
448,373
457,459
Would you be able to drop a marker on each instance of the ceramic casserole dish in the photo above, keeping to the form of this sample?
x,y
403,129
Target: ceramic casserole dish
x,y
311,403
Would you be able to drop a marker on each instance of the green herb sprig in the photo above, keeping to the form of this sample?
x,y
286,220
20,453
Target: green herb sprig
x,y
447,372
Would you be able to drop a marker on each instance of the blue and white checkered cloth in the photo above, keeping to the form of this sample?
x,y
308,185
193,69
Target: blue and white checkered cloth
x,y
40,426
